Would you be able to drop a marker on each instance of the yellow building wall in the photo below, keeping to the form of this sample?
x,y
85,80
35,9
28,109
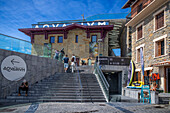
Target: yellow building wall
x,y
80,49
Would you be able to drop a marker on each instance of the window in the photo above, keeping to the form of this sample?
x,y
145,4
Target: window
x,y
52,39
60,39
159,20
76,40
138,55
139,8
137,76
94,38
139,32
160,46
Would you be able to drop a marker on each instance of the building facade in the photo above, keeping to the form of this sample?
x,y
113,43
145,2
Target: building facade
x,y
148,31
79,37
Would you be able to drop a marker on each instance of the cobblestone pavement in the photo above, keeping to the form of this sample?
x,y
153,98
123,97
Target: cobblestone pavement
x,y
117,107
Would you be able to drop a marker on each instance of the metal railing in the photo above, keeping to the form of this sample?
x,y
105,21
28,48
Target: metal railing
x,y
139,8
102,81
80,91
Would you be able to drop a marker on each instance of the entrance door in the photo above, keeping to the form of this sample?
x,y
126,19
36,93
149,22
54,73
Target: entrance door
x,y
114,80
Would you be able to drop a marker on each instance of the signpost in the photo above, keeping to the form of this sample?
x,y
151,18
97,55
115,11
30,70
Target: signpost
x,y
13,68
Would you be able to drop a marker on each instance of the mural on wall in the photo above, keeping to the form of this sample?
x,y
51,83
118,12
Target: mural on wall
x,y
47,49
93,46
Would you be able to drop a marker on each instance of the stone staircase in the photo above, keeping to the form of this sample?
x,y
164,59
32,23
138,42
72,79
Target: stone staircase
x,y
61,87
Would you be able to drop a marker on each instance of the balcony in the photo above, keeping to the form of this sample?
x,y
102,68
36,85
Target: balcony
x,y
138,9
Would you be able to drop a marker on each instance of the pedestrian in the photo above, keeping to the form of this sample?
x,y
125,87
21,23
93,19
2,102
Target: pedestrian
x,y
66,61
24,87
73,62
89,61
56,54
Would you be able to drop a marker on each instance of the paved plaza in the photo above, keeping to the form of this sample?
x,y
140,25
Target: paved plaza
x,y
116,107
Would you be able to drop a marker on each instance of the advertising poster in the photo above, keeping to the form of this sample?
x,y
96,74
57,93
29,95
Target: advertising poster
x,y
93,46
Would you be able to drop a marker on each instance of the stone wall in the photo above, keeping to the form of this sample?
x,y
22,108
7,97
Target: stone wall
x,y
37,69
149,36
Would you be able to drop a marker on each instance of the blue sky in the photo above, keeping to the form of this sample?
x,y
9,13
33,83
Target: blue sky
x,y
16,14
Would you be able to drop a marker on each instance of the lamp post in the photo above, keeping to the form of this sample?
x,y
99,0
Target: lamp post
x,y
99,40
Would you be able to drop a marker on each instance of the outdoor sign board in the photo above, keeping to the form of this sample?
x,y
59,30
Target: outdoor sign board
x,y
13,68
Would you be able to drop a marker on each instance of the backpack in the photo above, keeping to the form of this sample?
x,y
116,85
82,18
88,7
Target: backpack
x,y
72,59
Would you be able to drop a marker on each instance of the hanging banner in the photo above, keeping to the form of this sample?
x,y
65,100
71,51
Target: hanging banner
x,y
142,62
131,73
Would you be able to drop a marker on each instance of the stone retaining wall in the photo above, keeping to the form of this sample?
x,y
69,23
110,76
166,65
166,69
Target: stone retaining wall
x,y
38,68
133,93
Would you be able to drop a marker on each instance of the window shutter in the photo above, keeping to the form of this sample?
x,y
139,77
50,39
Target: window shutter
x,y
134,78
159,48
160,20
139,32
139,76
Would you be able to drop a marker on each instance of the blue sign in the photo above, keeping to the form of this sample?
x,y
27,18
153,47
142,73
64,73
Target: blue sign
x,y
97,23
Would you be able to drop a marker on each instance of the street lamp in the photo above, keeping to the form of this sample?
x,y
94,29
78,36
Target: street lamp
x,y
99,40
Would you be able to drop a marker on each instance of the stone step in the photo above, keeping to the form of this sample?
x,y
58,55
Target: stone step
x,y
62,87
58,94
63,91
53,97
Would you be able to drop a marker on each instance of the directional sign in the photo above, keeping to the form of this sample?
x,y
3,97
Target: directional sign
x,y
13,68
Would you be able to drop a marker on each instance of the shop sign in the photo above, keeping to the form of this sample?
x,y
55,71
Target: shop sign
x,y
13,68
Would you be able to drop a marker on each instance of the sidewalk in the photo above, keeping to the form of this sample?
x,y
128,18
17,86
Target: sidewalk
x,y
114,107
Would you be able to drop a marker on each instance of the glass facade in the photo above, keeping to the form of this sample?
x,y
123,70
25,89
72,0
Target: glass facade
x,y
14,44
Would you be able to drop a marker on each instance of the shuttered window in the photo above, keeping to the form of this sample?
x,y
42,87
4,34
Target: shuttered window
x,y
139,33
159,20
160,48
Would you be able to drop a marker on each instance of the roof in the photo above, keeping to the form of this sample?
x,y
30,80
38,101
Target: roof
x,y
27,31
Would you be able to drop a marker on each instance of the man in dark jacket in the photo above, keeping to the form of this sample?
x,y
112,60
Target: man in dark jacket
x,y
24,87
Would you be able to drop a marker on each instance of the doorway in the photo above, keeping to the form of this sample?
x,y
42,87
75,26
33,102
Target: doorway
x,y
114,79
168,79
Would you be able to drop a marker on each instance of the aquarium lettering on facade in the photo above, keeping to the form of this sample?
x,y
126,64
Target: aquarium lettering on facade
x,y
66,24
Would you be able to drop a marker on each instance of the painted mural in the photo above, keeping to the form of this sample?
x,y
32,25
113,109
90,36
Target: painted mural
x,y
93,46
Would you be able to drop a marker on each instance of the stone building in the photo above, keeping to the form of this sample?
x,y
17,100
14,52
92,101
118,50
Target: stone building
x,y
79,37
148,31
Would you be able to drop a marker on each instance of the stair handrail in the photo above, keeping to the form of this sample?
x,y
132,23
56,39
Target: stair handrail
x,y
79,77
102,81
80,84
